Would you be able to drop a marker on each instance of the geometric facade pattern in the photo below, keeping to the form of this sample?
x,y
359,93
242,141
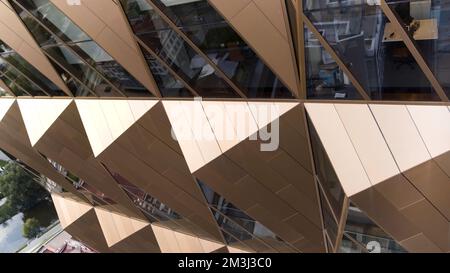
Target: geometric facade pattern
x,y
233,125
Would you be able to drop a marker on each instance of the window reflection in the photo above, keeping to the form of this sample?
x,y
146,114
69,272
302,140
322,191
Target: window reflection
x,y
155,211
428,23
167,83
325,79
361,229
18,82
362,36
76,51
212,34
325,173
18,74
238,226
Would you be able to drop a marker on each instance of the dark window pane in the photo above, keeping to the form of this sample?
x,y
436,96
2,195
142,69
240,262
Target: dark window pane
x,y
79,51
363,230
32,73
240,225
77,67
325,79
212,34
14,87
17,78
53,19
362,37
174,51
167,84
77,89
108,67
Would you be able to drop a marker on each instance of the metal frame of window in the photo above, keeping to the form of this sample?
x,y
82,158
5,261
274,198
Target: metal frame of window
x,y
61,42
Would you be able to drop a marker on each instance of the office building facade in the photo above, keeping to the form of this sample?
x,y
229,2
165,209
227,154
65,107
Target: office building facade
x,y
234,125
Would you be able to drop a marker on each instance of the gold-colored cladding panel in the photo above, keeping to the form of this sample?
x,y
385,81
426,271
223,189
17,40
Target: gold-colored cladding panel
x,y
124,233
104,22
410,205
65,142
69,208
14,33
14,140
176,242
142,241
275,188
157,166
264,29
84,225
443,161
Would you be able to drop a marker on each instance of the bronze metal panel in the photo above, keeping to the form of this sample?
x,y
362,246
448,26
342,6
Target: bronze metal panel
x,y
433,183
385,215
399,191
420,244
157,185
17,36
443,161
431,223
95,20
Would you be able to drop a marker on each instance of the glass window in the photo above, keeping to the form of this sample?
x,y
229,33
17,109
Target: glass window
x,y
325,79
152,30
363,230
428,23
237,223
91,193
77,67
167,84
328,220
212,34
54,20
18,82
13,86
79,51
362,37
326,174
73,83
153,209
349,246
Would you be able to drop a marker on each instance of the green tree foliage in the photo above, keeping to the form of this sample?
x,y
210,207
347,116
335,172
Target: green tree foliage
x,y
21,191
31,228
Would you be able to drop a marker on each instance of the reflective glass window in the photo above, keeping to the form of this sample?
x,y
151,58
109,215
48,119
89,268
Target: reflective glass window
x,y
325,173
325,79
17,80
212,34
428,24
366,232
79,51
237,223
152,30
362,36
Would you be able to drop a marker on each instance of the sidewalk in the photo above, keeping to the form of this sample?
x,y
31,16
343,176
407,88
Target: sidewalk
x,y
37,243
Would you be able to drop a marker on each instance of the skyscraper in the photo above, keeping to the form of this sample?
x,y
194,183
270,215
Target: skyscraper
x,y
234,125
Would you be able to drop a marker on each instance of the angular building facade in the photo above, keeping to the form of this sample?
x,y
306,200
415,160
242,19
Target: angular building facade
x,y
234,125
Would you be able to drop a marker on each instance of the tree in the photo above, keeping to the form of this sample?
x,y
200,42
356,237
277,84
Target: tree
x,y
31,228
19,187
